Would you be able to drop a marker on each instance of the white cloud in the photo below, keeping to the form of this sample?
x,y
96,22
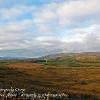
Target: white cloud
x,y
66,26
13,34
68,13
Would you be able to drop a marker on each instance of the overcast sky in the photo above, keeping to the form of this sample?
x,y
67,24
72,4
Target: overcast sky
x,y
33,28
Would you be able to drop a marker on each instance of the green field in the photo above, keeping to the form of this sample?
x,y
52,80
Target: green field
x,y
74,61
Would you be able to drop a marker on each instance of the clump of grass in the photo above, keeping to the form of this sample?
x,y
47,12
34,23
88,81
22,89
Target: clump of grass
x,y
83,82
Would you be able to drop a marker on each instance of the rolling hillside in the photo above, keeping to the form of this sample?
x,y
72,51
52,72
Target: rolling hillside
x,y
85,59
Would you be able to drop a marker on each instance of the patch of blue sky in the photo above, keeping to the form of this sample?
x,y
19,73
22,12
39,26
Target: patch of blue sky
x,y
24,16
10,3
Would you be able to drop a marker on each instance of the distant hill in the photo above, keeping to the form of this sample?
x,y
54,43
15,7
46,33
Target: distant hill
x,y
57,56
11,58
90,53
84,59
64,55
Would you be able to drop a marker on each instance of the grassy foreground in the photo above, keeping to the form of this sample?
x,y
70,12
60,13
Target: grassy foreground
x,y
76,81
